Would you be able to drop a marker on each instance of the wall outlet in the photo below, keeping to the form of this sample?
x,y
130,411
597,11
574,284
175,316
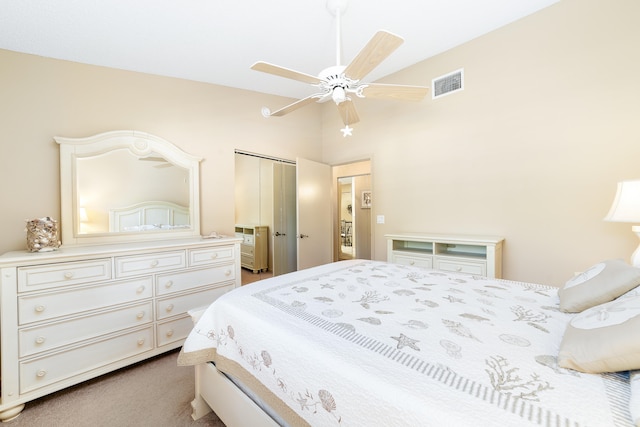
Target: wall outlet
x,y
380,219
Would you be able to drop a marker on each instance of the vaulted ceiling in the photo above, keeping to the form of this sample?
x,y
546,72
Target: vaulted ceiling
x,y
216,41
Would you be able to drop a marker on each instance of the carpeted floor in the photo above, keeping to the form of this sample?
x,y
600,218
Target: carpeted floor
x,y
154,393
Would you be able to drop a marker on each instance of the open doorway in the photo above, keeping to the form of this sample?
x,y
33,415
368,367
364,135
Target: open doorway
x,y
352,237
345,212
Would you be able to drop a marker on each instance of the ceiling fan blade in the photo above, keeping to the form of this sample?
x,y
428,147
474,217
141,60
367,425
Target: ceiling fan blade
x,y
277,70
381,45
348,112
400,92
293,106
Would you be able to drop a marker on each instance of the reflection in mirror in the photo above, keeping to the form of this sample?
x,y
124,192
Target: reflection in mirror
x,y
104,207
125,186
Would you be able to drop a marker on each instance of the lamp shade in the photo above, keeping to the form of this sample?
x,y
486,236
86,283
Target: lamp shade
x,y
626,205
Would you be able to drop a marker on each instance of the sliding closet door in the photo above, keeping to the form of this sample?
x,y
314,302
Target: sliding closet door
x,y
284,219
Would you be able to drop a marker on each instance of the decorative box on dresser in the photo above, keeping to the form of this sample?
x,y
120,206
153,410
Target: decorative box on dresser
x,y
73,314
478,255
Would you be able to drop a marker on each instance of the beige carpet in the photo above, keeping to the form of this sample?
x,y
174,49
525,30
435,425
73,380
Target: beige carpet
x,y
154,393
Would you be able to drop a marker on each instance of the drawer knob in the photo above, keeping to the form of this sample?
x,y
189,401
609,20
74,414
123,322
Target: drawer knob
x,y
41,373
140,315
140,289
227,273
214,255
154,263
141,341
68,274
412,262
168,284
169,333
40,308
458,268
169,308
40,340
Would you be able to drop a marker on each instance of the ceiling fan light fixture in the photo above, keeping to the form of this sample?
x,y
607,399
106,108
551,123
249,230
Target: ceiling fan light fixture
x,y
339,95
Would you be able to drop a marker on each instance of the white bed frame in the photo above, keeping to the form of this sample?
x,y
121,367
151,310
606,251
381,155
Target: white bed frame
x,y
214,391
148,213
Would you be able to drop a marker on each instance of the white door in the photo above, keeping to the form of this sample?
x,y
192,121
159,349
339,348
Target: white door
x,y
315,227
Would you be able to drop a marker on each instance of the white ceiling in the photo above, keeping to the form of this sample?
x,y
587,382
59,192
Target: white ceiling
x,y
216,41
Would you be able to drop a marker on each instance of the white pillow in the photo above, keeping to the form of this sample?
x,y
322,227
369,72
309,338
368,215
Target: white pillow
x,y
603,338
601,283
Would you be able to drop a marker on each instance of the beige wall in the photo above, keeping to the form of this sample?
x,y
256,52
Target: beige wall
x,y
548,122
530,150
42,98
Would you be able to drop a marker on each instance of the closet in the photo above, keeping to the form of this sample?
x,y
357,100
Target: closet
x,y
265,195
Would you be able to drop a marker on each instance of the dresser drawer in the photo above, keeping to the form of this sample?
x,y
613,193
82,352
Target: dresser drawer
x,y
247,250
43,306
413,260
469,267
247,261
210,255
144,264
186,280
40,372
174,330
63,274
53,335
180,304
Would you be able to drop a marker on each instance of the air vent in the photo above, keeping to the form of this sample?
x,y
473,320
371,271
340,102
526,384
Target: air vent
x,y
447,84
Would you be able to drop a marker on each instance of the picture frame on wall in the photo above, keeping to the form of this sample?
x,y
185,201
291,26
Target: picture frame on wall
x,y
366,199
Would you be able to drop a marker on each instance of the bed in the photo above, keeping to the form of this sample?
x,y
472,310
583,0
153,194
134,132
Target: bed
x,y
357,343
148,216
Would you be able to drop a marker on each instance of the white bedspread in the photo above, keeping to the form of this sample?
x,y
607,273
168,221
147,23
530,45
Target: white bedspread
x,y
364,343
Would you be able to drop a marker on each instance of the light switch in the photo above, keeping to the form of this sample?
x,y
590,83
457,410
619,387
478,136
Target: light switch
x,y
380,219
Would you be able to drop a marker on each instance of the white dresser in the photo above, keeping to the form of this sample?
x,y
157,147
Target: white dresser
x,y
73,314
478,255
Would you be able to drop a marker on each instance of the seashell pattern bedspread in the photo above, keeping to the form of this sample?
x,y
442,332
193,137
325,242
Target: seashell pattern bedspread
x,y
360,343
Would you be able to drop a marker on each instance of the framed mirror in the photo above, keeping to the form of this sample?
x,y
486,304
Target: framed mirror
x,y
125,186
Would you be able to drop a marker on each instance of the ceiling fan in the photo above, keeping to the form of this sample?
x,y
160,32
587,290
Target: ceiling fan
x,y
339,82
